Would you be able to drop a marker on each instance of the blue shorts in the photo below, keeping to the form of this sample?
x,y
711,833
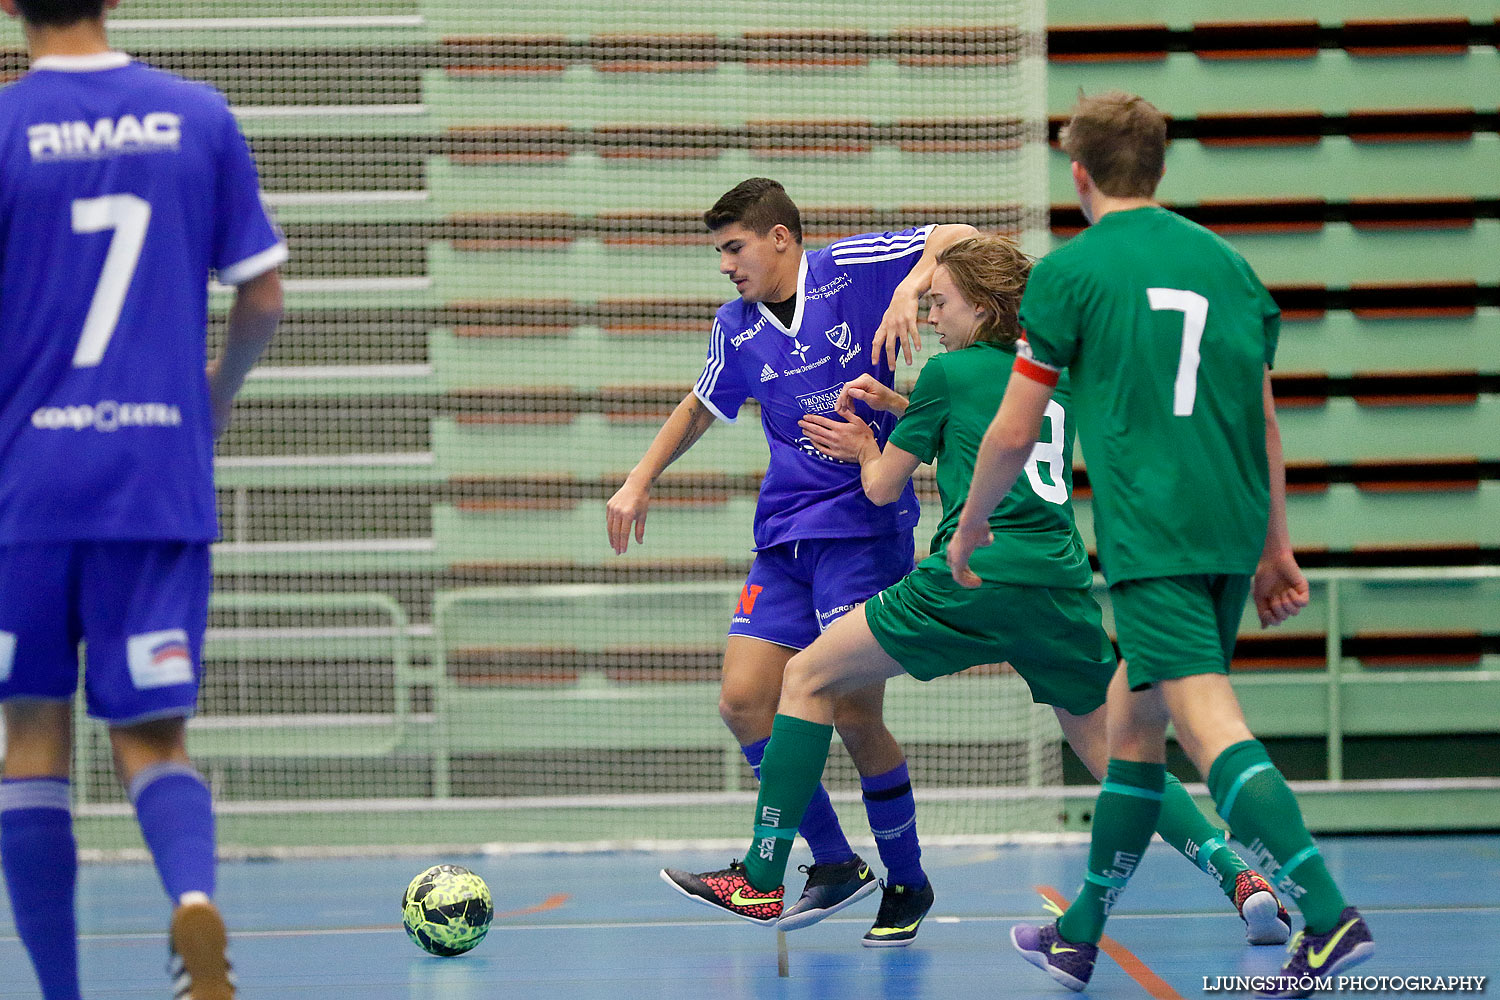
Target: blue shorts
x,y
140,608
797,589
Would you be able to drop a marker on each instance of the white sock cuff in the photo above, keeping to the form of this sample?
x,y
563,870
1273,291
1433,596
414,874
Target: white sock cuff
x,y
146,777
35,793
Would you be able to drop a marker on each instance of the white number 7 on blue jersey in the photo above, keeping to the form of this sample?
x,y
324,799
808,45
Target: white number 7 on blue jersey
x,y
128,216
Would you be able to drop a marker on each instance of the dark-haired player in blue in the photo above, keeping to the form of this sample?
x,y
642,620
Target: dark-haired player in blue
x,y
804,325
122,189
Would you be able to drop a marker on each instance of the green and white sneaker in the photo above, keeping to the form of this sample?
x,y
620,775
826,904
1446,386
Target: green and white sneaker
x,y
901,911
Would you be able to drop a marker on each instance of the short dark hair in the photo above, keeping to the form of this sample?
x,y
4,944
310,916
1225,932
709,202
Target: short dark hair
x,y
760,204
1121,140
60,12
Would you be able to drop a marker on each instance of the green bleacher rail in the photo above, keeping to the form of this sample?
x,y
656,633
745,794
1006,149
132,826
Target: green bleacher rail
x,y
491,17
1332,81
885,178
1334,168
586,357
1337,254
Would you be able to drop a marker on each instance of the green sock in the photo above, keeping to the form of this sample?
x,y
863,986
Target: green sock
x,y
789,775
1254,800
1124,818
1183,825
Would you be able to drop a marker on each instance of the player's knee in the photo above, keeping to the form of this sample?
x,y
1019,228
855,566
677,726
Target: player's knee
x,y
1138,736
747,713
802,680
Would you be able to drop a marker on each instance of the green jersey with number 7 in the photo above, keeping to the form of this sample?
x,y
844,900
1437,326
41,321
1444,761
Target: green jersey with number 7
x,y
1165,330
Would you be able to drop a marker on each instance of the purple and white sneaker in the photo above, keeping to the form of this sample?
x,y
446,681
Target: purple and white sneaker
x,y
1069,963
1311,957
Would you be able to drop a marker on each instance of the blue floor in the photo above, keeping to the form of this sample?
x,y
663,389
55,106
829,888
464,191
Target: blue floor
x,y
603,926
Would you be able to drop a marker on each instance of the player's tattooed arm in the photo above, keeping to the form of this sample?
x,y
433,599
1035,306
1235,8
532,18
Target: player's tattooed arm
x,y
626,510
699,421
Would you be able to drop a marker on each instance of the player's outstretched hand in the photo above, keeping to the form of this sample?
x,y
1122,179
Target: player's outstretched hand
x,y
1280,589
844,440
627,509
897,330
961,546
868,390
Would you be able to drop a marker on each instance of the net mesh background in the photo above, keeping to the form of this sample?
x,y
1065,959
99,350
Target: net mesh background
x,y
499,287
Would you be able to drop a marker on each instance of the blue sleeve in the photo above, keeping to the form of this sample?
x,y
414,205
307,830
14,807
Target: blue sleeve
x,y
722,386
247,241
879,261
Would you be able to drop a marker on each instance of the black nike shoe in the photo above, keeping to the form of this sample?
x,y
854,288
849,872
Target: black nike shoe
x,y
901,913
829,889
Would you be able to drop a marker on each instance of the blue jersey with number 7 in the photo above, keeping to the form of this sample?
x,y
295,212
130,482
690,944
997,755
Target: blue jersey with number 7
x,y
123,188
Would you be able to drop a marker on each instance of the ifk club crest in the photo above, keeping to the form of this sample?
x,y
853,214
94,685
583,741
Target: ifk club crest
x,y
840,336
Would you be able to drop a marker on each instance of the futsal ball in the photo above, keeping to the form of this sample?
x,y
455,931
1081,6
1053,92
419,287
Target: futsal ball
x,y
447,910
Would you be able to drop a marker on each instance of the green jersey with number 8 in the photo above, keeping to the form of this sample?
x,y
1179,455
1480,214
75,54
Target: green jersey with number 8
x,y
1036,542
1166,332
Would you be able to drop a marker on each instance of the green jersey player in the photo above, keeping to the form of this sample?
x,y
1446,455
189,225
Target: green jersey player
x,y
1168,337
1035,610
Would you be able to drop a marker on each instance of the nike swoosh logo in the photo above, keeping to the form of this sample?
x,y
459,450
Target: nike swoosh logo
x,y
879,931
864,873
1317,956
739,900
1058,951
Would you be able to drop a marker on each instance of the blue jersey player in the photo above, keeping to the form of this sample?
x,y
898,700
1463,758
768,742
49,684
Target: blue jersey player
x,y
804,325
122,189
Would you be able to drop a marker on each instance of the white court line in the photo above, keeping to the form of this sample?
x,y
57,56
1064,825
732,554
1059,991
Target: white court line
x,y
266,23
606,925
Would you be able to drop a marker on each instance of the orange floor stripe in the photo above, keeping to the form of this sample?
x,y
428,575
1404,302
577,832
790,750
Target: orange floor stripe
x,y
550,903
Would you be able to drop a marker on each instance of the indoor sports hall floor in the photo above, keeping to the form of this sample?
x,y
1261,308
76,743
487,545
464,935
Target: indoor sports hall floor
x,y
586,926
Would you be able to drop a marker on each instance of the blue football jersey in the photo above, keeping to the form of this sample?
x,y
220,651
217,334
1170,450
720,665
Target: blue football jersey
x,y
122,188
842,293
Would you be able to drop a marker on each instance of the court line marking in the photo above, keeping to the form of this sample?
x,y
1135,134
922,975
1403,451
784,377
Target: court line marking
x,y
596,925
1154,985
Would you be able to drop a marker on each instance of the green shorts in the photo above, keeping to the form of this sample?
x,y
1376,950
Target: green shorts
x,y
1053,637
1178,626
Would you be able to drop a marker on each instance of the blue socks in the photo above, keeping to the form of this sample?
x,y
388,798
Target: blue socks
x,y
893,821
41,871
41,858
820,824
176,814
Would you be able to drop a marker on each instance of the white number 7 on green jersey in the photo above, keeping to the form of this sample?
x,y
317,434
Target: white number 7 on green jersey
x,y
1194,309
